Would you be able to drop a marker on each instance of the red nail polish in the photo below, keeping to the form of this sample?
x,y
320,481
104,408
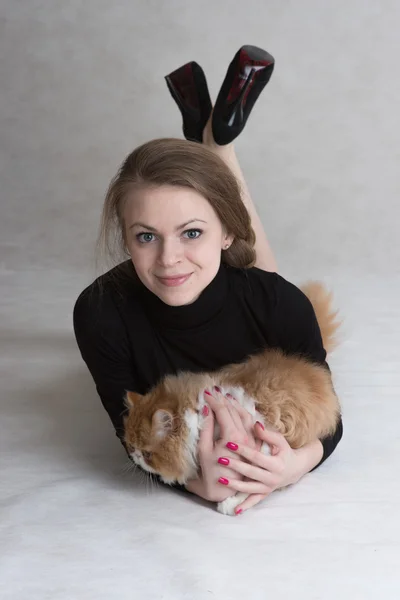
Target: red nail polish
x,y
232,446
229,396
217,389
208,393
205,411
223,460
238,511
260,424
223,480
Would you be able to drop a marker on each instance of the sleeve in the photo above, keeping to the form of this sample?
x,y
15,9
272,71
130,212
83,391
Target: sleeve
x,y
103,344
298,332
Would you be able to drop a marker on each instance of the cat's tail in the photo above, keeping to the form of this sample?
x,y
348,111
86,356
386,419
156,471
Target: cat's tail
x,y
321,299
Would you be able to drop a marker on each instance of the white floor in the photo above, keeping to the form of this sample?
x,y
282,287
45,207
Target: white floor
x,y
74,525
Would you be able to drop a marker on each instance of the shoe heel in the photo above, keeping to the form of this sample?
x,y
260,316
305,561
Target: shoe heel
x,y
188,87
247,75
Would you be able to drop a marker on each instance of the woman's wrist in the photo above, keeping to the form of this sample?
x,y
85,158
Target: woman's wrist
x,y
307,458
199,488
193,486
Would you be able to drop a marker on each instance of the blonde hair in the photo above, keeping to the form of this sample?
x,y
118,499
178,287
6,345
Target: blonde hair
x,y
169,161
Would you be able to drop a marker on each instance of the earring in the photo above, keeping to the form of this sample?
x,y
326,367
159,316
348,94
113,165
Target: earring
x,y
226,246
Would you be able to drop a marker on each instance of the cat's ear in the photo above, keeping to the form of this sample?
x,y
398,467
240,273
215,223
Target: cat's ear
x,y
131,398
162,423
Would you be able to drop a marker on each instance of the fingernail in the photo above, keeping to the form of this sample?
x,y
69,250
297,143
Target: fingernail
x,y
238,511
229,396
208,393
260,424
232,446
205,411
223,480
217,389
223,461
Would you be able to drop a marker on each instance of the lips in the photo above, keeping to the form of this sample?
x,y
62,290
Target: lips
x,y
175,280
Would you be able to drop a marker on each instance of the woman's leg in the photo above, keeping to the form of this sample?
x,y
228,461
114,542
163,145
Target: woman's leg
x,y
265,258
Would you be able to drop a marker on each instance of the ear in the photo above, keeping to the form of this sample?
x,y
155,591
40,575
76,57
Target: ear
x,y
131,398
227,240
162,423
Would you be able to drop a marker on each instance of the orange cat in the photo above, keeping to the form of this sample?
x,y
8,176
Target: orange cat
x,y
290,393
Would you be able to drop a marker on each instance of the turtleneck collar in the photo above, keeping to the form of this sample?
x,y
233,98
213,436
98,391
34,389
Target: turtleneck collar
x,y
200,312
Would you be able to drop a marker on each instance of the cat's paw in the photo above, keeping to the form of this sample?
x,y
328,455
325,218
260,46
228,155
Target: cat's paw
x,y
227,506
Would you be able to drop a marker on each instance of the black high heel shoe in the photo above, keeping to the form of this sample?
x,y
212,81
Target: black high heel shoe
x,y
188,87
248,74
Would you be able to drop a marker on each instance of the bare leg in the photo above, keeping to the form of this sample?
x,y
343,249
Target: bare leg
x,y
265,258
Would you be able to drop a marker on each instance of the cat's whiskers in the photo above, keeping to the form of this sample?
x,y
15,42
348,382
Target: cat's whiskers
x,y
148,479
153,482
148,482
129,467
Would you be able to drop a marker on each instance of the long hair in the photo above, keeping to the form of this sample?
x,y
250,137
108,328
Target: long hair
x,y
176,162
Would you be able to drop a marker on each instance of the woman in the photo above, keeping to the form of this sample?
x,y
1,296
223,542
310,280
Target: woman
x,y
189,298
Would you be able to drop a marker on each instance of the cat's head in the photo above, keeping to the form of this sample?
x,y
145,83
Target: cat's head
x,y
162,429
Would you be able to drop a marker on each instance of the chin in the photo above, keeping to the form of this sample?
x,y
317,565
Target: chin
x,y
177,298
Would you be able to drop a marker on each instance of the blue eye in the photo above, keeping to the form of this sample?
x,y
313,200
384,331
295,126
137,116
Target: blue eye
x,y
145,238
197,233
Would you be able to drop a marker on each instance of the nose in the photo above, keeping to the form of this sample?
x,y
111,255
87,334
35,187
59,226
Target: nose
x,y
170,253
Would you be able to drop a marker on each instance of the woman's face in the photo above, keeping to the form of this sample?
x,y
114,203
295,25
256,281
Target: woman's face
x,y
175,239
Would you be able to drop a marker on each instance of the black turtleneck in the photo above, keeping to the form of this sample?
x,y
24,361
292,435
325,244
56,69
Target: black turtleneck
x,y
130,339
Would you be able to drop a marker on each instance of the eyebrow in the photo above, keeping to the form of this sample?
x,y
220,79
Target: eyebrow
x,y
149,228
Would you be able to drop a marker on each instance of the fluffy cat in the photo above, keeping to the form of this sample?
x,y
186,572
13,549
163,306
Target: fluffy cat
x,y
286,392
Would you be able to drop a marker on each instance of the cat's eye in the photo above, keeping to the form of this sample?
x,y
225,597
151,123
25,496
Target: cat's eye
x,y
146,455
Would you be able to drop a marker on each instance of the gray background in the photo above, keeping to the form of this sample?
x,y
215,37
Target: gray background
x,y
82,84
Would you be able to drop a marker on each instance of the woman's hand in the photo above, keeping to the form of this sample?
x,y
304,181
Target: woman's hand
x,y
235,424
264,474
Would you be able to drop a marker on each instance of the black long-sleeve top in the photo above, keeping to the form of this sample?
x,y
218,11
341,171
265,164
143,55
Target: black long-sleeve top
x,y
130,339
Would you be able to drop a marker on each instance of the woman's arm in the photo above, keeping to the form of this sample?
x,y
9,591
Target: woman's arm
x,y
265,257
297,332
103,345
308,457
102,342
329,443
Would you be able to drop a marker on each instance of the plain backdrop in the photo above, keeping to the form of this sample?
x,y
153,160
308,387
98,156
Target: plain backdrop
x,y
82,84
